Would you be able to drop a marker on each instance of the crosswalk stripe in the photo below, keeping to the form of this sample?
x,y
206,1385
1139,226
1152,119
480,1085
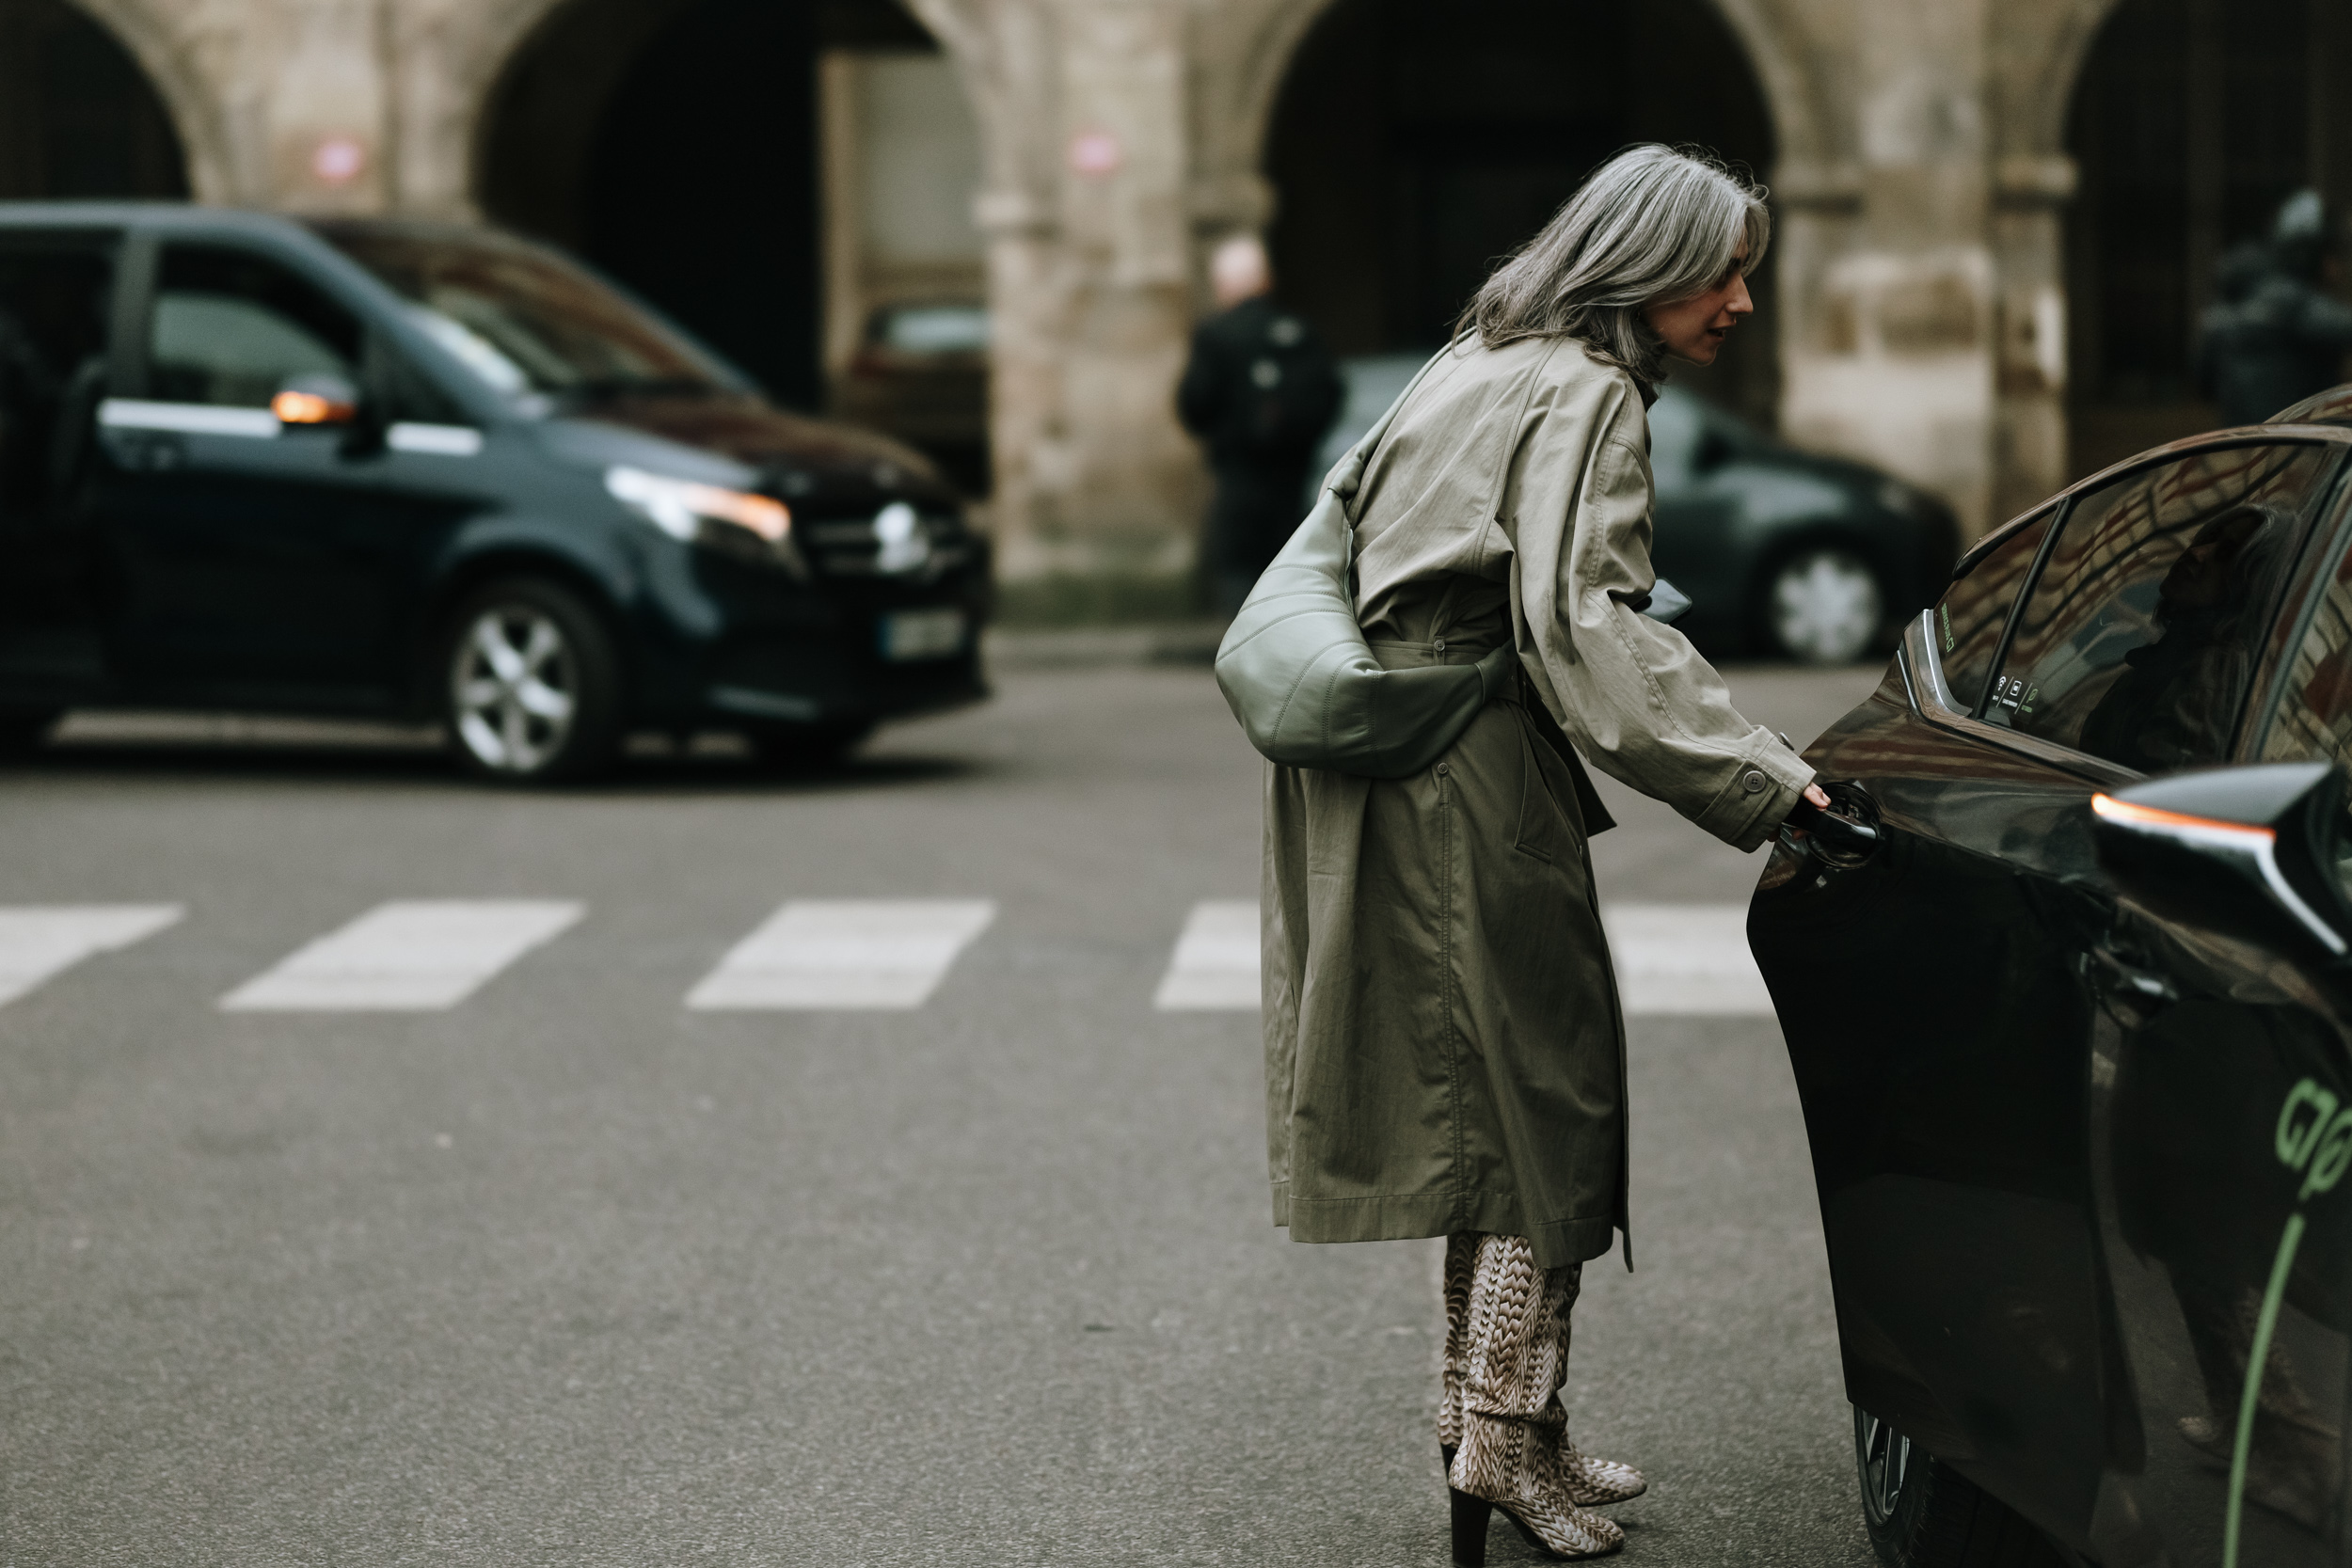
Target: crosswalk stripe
x,y
1215,967
38,941
842,954
1685,959
1670,958
417,954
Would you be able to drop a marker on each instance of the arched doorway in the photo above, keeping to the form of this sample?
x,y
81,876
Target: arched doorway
x,y
1413,146
77,116
2191,122
771,172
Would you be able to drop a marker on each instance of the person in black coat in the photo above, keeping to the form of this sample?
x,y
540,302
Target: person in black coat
x,y
2273,334
1260,390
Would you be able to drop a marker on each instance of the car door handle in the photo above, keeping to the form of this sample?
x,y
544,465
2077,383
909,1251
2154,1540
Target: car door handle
x,y
1842,835
2127,986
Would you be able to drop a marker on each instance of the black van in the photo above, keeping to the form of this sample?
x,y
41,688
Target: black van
x,y
427,472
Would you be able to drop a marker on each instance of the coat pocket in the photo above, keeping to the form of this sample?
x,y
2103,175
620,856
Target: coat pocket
x,y
1548,827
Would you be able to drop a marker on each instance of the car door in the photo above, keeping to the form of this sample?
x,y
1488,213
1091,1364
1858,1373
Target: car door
x,y
251,560
2221,1065
57,290
1945,1057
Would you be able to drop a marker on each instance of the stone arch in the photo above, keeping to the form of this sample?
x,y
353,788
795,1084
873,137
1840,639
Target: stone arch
x,y
216,167
1398,187
1245,48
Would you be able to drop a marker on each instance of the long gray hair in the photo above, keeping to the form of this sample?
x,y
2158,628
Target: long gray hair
x,y
1652,225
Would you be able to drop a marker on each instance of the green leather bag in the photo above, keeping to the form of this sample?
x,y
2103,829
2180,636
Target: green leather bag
x,y
1296,671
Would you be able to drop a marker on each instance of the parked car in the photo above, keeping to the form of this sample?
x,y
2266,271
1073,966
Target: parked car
x,y
392,469
1785,554
921,375
2074,1038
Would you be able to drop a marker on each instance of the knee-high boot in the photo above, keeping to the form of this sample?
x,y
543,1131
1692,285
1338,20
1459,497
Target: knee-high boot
x,y
1514,1455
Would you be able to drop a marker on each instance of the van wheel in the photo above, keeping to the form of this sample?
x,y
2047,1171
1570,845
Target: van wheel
x,y
1821,606
1922,1513
532,683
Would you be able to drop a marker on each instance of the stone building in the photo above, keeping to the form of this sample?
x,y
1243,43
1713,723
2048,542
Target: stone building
x,y
1996,218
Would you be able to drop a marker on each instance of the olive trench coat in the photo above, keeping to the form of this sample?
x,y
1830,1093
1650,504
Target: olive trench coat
x,y
1443,1046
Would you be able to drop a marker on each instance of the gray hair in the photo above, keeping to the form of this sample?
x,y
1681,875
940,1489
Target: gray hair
x,y
1651,226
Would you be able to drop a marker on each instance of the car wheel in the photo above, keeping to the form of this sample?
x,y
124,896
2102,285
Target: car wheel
x,y
1823,606
1922,1513
532,684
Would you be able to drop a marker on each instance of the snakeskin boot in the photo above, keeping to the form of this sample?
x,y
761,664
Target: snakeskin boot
x,y
1506,1352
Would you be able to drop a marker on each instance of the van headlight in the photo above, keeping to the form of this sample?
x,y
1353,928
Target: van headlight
x,y
682,508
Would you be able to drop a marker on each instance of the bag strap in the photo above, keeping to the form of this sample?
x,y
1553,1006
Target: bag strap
x,y
1347,474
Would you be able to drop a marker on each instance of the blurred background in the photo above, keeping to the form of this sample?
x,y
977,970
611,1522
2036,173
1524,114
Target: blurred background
x,y
983,225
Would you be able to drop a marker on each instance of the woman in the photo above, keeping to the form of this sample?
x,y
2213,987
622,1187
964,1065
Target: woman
x,y
1444,1055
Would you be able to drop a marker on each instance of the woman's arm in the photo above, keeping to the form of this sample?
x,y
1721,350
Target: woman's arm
x,y
1631,693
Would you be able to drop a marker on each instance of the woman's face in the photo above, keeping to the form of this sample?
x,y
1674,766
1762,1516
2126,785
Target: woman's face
x,y
1694,329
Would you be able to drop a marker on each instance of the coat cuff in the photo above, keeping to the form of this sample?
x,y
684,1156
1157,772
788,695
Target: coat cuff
x,y
1759,794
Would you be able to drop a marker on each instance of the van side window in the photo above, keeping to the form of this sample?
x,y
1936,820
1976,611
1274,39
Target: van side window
x,y
2137,642
1969,617
53,302
231,327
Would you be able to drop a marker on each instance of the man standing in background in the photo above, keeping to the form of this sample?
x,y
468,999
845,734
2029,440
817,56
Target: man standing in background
x,y
2274,335
1260,390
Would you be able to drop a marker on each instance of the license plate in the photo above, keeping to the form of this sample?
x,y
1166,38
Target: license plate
x,y
922,634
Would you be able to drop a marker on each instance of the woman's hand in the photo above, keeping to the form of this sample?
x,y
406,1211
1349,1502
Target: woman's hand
x,y
1816,797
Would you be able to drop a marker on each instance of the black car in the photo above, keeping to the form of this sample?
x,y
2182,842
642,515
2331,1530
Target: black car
x,y
1783,553
423,472
2071,1016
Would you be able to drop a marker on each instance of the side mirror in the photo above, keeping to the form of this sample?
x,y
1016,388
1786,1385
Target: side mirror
x,y
2248,851
317,400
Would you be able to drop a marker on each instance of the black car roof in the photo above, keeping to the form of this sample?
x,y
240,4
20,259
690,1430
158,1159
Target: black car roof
x,y
166,214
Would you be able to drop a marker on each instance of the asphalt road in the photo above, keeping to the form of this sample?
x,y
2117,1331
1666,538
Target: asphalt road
x,y
569,1274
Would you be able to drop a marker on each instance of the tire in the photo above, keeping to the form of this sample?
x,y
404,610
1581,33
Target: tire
x,y
530,683
1922,1513
1822,604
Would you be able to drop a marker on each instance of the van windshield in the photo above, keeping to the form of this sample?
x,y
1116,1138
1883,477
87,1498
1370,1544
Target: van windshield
x,y
526,321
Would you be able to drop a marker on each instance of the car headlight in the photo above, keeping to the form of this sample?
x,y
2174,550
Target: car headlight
x,y
680,507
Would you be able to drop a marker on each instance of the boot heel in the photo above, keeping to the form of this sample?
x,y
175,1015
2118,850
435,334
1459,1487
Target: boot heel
x,y
1471,1515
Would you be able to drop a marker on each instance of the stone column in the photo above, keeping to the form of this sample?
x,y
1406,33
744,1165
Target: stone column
x,y
2030,451
1890,353
1114,483
326,104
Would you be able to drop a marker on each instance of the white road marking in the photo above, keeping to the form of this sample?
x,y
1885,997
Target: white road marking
x,y
1670,958
1215,967
40,940
1685,959
837,954
412,954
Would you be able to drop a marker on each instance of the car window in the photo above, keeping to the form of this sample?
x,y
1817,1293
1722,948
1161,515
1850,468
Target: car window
x,y
232,327
1969,617
2137,642
53,353
2310,718
525,321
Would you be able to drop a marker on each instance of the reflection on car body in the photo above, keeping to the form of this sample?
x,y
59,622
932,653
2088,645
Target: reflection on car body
x,y
376,468
1783,553
2071,1041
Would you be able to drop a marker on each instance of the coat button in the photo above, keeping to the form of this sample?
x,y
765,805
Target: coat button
x,y
1443,770
1752,781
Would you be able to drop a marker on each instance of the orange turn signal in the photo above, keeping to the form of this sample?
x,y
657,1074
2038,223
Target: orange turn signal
x,y
2138,816
310,408
768,518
